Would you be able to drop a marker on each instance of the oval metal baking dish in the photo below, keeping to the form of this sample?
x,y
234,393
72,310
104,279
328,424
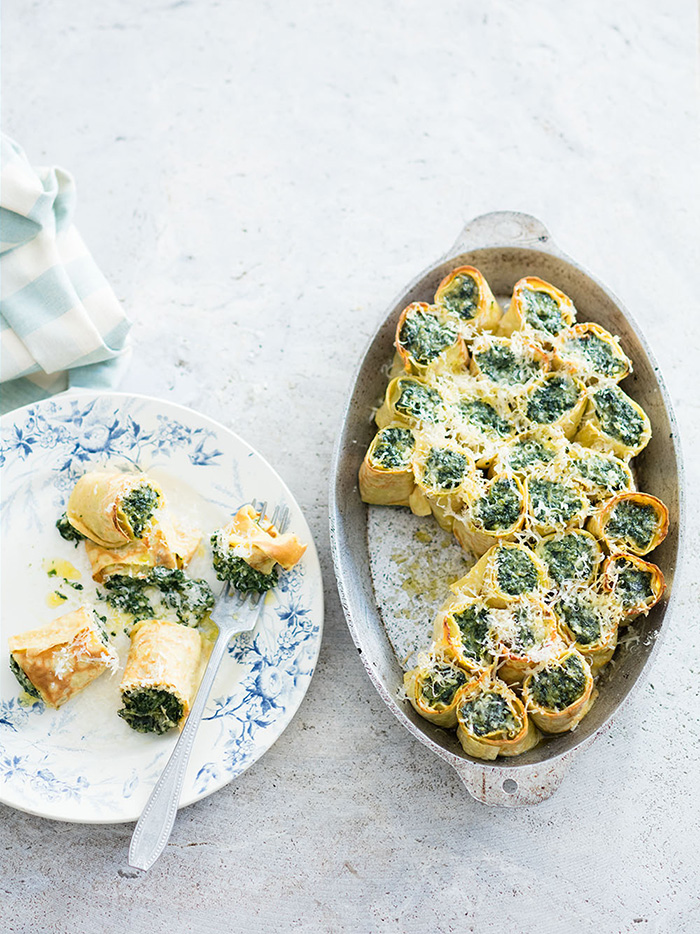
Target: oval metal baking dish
x,y
505,246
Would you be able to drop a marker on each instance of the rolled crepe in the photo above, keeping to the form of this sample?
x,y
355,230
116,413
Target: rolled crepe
x,y
538,306
160,678
615,423
590,621
637,585
465,293
432,690
554,505
113,509
634,522
255,540
496,515
483,423
463,632
556,400
527,635
591,353
426,336
386,474
162,545
599,475
492,720
59,660
505,572
560,694
571,557
410,403
530,451
445,476
507,362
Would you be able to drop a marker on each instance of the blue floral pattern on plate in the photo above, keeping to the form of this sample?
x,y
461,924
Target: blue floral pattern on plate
x,y
62,764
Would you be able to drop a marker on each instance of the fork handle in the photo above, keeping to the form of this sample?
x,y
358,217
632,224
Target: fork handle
x,y
153,829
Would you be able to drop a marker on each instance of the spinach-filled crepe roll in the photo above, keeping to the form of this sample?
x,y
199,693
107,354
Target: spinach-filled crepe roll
x,y
592,353
554,505
111,508
571,557
426,336
492,721
590,621
160,678
560,694
247,551
432,690
505,572
637,585
463,631
411,403
635,522
483,422
445,476
495,515
386,474
599,475
57,661
538,306
613,422
530,451
163,544
507,362
465,293
556,400
527,635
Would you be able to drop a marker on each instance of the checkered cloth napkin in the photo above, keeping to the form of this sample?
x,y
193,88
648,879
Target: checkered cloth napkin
x,y
60,322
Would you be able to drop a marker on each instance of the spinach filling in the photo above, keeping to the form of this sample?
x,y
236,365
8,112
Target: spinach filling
x,y
523,637
499,508
238,572
191,599
584,621
483,416
633,585
489,713
608,475
553,503
444,469
598,353
559,685
516,572
501,365
617,416
524,454
23,678
461,297
393,448
66,530
542,311
138,506
569,558
633,522
438,688
151,710
418,401
552,399
425,337
473,623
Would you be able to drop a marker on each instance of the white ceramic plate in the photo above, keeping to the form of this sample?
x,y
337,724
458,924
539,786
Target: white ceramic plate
x,y
82,762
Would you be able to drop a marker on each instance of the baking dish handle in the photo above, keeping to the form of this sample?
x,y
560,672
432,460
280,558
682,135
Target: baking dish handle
x,y
516,787
502,229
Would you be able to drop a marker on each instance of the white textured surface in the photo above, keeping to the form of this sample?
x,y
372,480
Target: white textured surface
x,y
258,180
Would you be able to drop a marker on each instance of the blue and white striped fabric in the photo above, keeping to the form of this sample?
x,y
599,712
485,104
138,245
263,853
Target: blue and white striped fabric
x,y
60,322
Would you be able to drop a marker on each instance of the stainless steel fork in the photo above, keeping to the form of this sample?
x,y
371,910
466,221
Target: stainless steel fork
x,y
234,612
